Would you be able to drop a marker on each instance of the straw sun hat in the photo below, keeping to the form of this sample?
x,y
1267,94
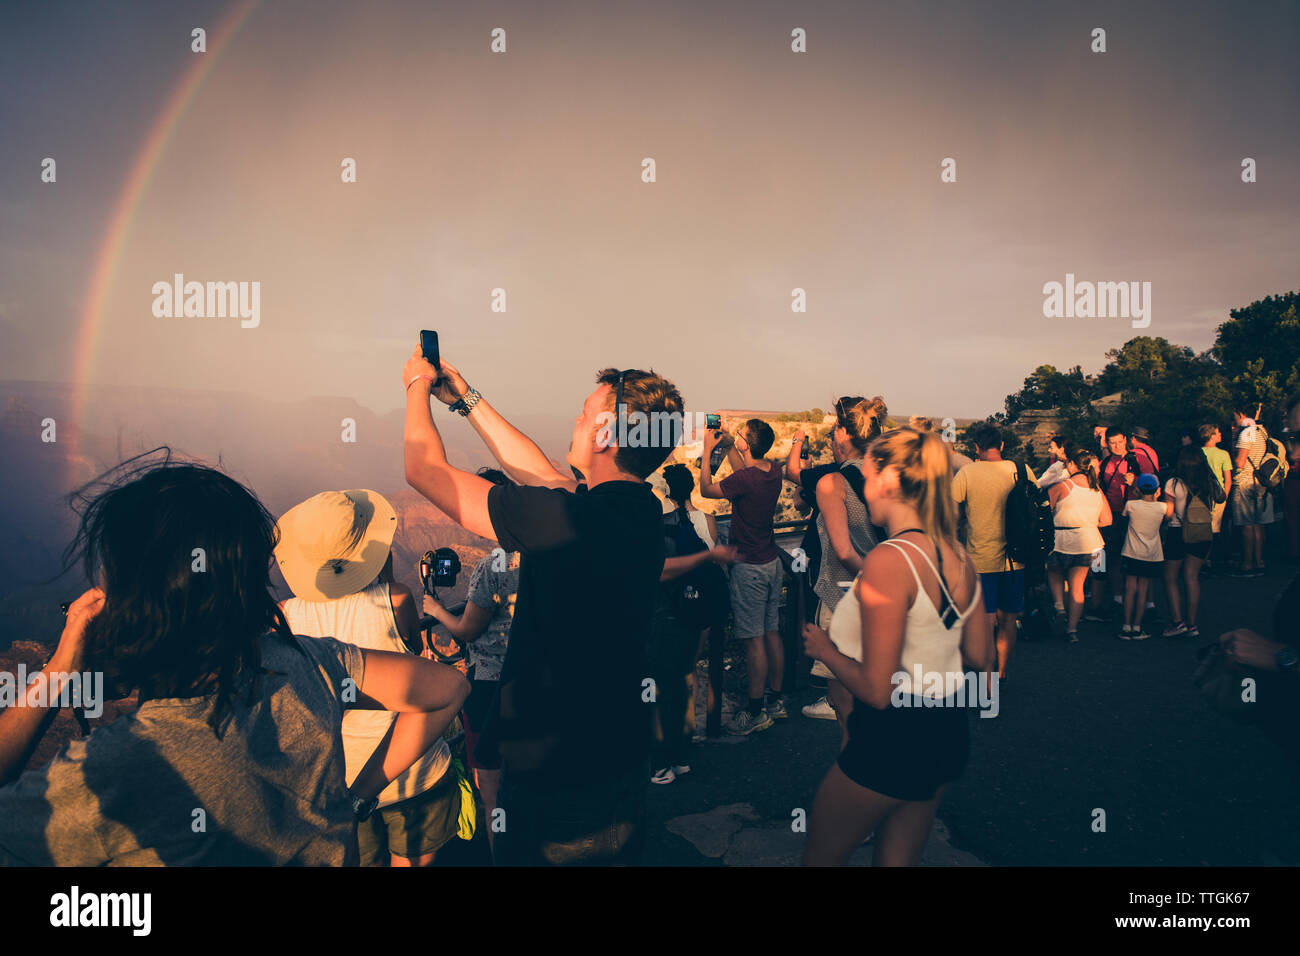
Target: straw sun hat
x,y
336,543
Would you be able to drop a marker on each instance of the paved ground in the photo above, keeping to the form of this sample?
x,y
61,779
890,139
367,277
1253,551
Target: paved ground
x,y
1101,724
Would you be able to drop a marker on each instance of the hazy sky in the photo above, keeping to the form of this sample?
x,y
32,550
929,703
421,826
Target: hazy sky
x,y
522,170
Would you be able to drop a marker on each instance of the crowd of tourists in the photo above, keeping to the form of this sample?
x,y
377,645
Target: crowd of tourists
x,y
329,728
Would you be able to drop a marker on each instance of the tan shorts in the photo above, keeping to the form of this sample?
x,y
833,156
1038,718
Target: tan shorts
x,y
414,827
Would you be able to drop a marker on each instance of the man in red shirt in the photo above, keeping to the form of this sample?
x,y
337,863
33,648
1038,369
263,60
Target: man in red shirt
x,y
1118,471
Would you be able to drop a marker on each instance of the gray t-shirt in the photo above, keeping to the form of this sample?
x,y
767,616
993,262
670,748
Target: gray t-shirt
x,y
494,592
158,788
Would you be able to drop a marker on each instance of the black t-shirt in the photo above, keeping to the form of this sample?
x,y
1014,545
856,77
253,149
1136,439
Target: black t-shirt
x,y
570,704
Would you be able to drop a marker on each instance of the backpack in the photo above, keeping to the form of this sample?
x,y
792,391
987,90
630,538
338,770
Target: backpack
x,y
1197,527
1028,524
694,596
1271,470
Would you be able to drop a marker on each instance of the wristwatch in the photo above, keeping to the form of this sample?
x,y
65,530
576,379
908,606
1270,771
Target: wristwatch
x,y
1288,660
465,404
362,808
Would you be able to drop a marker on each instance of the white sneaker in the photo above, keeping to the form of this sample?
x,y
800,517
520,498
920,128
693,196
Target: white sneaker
x,y
681,769
820,709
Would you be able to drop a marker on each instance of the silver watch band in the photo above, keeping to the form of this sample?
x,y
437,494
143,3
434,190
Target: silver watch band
x,y
467,402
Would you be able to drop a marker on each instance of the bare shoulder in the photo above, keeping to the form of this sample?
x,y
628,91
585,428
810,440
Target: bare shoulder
x,y
829,483
885,561
400,594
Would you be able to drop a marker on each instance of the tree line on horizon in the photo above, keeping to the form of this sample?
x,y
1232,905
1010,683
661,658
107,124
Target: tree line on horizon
x,y
1168,388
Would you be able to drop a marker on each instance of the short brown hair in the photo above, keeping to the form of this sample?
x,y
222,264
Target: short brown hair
x,y
655,397
1206,432
759,436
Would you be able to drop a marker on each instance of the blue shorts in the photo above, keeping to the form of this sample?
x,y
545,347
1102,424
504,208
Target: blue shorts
x,y
1004,591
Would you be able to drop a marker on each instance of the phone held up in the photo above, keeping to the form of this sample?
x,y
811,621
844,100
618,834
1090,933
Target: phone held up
x,y
429,348
805,452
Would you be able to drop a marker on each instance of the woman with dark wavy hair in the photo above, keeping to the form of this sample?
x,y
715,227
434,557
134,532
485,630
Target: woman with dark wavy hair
x,y
1193,482
234,755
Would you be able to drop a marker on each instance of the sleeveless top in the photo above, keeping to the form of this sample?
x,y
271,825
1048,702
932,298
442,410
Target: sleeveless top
x,y
700,521
365,619
927,644
863,539
1076,516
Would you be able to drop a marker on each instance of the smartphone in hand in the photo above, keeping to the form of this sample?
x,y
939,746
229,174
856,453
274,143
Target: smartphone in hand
x,y
429,346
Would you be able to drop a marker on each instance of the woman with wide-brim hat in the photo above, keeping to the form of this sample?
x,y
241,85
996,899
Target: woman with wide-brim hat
x,y
335,552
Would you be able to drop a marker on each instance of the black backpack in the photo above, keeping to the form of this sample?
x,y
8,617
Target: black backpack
x,y
695,596
1029,531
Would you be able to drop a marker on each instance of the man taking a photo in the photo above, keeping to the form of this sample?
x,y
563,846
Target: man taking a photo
x,y
571,724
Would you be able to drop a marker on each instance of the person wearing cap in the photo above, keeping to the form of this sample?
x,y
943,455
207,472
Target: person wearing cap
x,y
335,554
1143,554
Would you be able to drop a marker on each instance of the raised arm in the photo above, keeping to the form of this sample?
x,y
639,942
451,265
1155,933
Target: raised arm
x,y
460,495
21,728
708,487
519,456
794,463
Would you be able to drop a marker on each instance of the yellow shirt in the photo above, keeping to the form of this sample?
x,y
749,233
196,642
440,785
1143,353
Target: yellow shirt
x,y
983,486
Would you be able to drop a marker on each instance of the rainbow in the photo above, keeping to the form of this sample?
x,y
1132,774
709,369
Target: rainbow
x,y
137,182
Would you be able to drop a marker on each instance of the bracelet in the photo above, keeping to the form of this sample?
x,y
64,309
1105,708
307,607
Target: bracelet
x,y
416,379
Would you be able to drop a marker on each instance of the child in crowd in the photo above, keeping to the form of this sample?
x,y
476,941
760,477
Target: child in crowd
x,y
1143,554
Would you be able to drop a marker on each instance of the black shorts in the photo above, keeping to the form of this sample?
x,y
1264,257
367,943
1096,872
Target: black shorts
x,y
1176,549
1134,568
906,752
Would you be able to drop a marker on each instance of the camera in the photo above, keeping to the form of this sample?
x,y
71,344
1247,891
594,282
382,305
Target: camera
x,y
438,569
712,422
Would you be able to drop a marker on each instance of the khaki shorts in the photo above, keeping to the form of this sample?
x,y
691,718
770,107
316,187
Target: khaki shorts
x,y
415,827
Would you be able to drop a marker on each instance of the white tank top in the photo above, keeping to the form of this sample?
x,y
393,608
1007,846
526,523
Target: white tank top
x,y
927,644
366,620
700,521
1076,518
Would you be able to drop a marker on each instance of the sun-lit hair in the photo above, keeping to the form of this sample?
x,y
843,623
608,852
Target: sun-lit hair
x,y
654,397
921,423
924,477
862,418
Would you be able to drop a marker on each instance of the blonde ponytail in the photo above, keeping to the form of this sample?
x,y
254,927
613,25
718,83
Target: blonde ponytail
x,y
862,418
924,478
